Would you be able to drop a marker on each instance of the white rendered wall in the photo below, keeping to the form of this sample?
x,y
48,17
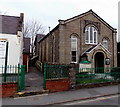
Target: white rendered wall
x,y
15,43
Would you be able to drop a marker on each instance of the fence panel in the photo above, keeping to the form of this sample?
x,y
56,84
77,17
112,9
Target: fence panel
x,y
55,71
92,77
13,74
9,73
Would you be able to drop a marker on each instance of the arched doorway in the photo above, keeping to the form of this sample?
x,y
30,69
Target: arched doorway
x,y
99,62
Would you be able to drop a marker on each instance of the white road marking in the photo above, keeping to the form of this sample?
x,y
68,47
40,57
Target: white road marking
x,y
100,98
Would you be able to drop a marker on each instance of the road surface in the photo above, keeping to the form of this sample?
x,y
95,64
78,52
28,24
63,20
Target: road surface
x,y
109,100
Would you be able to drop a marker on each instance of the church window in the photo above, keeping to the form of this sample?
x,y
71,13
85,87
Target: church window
x,y
105,43
90,35
74,49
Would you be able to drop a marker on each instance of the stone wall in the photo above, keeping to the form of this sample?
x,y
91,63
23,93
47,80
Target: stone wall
x,y
77,27
49,48
59,40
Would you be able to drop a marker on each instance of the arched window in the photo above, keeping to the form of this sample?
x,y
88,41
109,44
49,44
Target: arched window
x,y
105,43
74,49
91,35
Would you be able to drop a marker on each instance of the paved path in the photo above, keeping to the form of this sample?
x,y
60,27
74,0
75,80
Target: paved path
x,y
58,97
33,80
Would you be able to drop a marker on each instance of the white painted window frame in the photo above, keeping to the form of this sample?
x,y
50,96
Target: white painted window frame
x,y
87,29
75,49
105,42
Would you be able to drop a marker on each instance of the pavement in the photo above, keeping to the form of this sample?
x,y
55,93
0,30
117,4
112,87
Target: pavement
x,y
33,80
62,97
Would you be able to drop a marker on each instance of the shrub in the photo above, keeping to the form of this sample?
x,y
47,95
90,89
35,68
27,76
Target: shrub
x,y
115,72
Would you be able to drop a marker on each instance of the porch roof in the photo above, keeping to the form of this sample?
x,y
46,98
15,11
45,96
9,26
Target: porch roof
x,y
92,48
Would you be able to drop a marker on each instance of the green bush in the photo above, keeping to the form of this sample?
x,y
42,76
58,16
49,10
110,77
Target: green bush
x,y
115,72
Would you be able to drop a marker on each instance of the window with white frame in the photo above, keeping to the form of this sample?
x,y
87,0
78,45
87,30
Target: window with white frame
x,y
74,49
105,43
90,35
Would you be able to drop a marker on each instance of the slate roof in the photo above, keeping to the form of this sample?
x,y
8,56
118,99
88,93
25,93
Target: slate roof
x,y
92,48
89,49
39,37
11,24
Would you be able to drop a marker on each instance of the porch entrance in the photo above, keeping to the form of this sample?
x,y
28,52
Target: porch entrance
x,y
99,62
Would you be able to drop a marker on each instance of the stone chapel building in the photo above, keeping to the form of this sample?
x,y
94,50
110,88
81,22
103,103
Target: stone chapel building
x,y
83,37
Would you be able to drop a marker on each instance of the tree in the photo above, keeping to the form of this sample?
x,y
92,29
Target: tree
x,y
31,28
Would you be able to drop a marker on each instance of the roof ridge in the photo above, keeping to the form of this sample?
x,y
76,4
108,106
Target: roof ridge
x,y
95,14
79,15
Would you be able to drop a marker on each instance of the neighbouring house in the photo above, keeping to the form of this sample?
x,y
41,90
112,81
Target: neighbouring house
x,y
11,40
118,54
36,43
33,58
26,52
86,37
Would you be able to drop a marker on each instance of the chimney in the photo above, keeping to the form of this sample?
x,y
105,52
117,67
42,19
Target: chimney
x,y
22,16
20,24
61,22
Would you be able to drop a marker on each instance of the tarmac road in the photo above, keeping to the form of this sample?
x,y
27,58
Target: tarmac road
x,y
109,100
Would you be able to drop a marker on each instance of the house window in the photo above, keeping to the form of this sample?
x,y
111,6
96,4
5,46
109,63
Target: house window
x,y
105,43
74,49
90,35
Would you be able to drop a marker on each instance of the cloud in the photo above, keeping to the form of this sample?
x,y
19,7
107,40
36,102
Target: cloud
x,y
50,11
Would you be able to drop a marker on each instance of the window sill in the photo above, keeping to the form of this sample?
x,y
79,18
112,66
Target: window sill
x,y
74,62
91,43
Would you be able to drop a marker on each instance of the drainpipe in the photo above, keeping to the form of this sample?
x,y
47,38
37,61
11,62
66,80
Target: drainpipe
x,y
114,48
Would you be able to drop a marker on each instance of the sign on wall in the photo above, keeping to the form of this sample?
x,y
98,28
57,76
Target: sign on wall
x,y
3,44
107,61
84,67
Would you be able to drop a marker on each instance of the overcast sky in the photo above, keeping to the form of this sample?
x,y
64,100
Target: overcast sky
x,y
48,12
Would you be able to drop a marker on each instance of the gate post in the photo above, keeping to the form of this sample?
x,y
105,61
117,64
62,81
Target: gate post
x,y
21,77
45,65
72,76
19,73
6,59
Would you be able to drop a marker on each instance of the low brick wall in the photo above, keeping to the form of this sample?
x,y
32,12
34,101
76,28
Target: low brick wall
x,y
57,85
9,89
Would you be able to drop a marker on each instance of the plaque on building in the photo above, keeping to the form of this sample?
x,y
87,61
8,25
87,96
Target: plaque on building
x,y
107,61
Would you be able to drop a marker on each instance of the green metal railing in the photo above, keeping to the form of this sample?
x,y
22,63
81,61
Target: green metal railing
x,y
55,71
13,74
97,75
83,75
9,73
